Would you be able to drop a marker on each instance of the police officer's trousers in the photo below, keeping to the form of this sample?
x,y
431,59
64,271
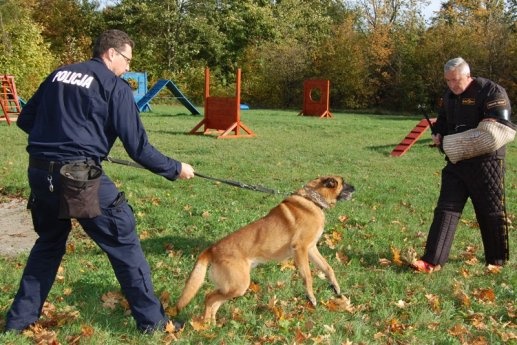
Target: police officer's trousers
x,y
482,180
114,232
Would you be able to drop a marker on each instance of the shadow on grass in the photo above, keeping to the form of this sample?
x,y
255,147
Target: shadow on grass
x,y
158,115
183,133
387,149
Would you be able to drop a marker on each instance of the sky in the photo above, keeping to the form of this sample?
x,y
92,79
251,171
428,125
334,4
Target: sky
x,y
434,6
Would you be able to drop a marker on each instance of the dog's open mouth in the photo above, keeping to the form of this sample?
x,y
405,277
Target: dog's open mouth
x,y
346,193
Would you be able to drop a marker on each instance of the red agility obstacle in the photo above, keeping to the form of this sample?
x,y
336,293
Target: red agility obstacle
x,y
316,98
9,99
412,137
222,114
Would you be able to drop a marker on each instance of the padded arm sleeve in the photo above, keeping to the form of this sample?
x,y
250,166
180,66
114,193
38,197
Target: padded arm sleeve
x,y
487,137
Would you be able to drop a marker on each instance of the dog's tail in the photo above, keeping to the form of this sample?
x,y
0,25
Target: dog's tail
x,y
195,280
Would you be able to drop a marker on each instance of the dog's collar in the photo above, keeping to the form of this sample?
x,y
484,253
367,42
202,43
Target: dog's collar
x,y
313,196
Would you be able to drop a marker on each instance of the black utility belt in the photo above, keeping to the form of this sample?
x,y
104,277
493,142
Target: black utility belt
x,y
47,165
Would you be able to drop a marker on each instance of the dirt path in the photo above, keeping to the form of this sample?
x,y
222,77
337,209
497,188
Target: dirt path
x,y
16,231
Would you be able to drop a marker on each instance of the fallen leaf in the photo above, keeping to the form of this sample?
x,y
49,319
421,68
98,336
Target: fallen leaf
x,y
401,304
494,269
463,298
339,304
237,315
287,265
342,258
396,256
329,328
144,234
469,253
479,341
87,331
465,273
484,295
300,337
199,324
434,302
395,326
333,239
477,320
507,336
41,335
70,247
170,327
384,262
410,256
111,299
457,330
433,326
379,335
343,218
254,287
472,261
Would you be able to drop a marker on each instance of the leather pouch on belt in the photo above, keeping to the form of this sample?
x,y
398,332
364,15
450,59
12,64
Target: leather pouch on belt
x,y
79,196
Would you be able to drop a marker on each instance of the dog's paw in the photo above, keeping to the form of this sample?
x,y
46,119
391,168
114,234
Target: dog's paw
x,y
336,289
313,301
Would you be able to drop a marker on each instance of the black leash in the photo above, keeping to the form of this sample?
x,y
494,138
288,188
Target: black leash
x,y
256,188
239,184
423,110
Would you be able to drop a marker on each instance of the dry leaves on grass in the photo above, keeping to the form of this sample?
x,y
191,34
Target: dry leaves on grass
x,y
340,304
112,299
42,332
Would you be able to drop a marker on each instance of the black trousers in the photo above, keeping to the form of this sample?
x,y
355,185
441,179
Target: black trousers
x,y
114,231
481,180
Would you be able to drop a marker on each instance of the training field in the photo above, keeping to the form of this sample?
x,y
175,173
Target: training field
x,y
367,240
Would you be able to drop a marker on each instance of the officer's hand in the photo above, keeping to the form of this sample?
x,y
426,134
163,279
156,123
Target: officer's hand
x,y
187,171
437,139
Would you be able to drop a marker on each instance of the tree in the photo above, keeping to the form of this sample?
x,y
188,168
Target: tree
x,y
70,41
342,59
25,55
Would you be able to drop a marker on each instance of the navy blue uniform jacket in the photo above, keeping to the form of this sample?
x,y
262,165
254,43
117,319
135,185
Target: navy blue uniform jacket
x,y
80,110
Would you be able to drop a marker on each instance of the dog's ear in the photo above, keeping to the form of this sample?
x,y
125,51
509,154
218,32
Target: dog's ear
x,y
330,182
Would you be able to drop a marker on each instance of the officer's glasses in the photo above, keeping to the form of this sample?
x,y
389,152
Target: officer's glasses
x,y
128,60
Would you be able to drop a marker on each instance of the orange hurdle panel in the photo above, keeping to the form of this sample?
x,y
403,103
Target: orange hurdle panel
x,y
316,98
222,114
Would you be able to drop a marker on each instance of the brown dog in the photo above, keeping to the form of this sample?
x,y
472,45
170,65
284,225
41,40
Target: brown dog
x,y
291,229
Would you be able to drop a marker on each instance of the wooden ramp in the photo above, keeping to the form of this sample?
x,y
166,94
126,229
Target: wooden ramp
x,y
411,138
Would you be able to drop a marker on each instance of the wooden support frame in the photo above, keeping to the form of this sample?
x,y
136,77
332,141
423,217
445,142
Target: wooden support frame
x,y
316,98
222,114
9,99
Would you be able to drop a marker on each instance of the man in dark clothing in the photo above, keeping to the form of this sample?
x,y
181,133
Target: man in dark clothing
x,y
74,118
472,128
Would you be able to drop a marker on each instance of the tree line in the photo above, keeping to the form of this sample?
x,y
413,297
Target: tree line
x,y
379,55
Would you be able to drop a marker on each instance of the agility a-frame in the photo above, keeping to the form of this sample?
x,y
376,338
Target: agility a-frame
x,y
223,114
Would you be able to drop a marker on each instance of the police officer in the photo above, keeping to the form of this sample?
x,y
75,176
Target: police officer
x,y
472,128
75,116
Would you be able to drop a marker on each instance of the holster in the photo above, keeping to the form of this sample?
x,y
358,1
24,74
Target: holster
x,y
79,197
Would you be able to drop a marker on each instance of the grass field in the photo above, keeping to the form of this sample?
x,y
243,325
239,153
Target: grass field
x,y
366,240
